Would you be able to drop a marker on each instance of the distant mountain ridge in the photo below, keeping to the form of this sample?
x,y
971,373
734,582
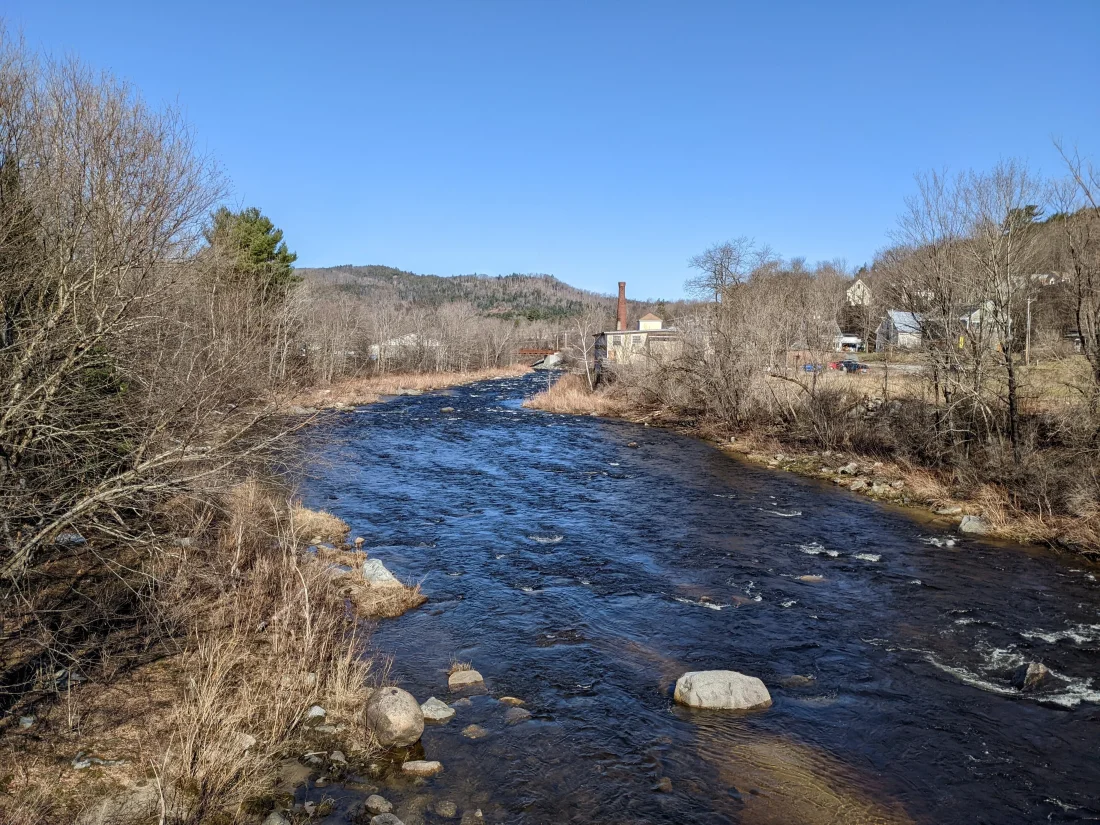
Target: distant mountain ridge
x,y
534,297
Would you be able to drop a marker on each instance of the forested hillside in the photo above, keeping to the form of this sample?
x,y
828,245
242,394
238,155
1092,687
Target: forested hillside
x,y
509,297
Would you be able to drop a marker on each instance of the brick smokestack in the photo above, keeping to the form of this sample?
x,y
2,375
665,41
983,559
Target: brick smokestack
x,y
622,306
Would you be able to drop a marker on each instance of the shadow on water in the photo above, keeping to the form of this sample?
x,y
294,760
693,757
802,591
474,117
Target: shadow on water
x,y
584,577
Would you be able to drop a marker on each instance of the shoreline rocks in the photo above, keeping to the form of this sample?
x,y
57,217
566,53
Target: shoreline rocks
x,y
974,525
394,716
377,575
721,690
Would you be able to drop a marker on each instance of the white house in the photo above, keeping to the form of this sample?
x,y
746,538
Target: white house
x,y
899,329
859,294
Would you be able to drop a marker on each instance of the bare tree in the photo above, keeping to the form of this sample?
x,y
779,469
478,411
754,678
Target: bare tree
x,y
1077,199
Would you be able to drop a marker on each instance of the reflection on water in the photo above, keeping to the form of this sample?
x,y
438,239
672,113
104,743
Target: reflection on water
x,y
584,577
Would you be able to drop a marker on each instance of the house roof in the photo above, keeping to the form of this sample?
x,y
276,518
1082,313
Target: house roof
x,y
905,321
649,316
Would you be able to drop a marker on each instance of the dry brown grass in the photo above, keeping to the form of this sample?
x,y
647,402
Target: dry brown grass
x,y
570,395
457,666
314,526
355,391
259,631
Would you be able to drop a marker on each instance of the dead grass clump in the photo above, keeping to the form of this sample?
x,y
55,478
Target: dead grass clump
x,y
248,632
570,395
308,526
457,667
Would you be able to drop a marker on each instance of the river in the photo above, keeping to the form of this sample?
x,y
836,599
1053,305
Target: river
x,y
584,575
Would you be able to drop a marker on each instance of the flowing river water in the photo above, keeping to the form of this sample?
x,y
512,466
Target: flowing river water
x,y
584,576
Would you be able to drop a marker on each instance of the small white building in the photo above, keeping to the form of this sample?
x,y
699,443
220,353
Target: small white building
x,y
899,329
650,342
859,294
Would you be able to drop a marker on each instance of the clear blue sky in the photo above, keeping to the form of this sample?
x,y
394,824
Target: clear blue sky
x,y
597,141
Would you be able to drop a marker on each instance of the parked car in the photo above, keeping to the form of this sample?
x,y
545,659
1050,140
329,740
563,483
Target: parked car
x,y
835,365
851,365
812,367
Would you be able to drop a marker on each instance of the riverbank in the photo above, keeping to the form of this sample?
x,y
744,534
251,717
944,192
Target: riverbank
x,y
247,654
987,510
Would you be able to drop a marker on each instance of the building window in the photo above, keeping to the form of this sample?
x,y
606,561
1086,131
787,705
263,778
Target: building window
x,y
616,340
636,339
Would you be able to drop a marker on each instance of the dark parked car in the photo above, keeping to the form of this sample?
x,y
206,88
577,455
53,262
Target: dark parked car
x,y
851,365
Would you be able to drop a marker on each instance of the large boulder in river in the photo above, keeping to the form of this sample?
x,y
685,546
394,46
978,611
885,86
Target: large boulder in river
x,y
377,575
394,717
464,678
1030,676
721,690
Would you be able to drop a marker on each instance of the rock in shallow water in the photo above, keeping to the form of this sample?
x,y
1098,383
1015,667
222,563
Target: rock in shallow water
x,y
377,575
436,711
721,690
394,716
1030,676
513,716
464,678
446,809
376,804
474,732
421,767
385,819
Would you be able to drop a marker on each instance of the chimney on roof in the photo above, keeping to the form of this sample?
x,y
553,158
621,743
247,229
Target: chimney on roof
x,y
622,306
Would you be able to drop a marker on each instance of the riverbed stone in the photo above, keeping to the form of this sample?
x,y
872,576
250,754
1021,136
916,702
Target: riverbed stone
x,y
435,710
474,732
849,469
1030,676
376,574
513,716
446,809
512,700
464,678
974,525
276,818
446,409
376,804
664,785
721,690
386,819
950,510
812,578
857,485
394,716
421,767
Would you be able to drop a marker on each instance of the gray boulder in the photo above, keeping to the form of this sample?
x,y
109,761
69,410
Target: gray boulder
x,y
436,711
276,818
464,678
721,690
974,525
394,716
377,575
385,819
849,469
513,716
376,804
421,767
